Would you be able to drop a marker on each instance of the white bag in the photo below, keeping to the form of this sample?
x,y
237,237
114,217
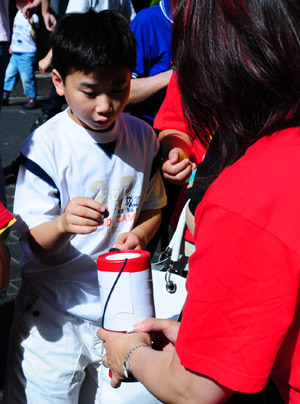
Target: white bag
x,y
169,276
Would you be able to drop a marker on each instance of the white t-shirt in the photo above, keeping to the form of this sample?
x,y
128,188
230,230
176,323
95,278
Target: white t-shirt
x,y
22,40
72,159
4,21
125,7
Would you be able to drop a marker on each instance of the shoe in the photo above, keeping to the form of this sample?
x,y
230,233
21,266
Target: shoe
x,y
30,104
5,98
39,121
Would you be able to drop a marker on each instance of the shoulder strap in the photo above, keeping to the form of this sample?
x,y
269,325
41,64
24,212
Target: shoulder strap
x,y
176,240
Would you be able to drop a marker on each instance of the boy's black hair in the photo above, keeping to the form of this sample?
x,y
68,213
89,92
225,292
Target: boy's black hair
x,y
92,42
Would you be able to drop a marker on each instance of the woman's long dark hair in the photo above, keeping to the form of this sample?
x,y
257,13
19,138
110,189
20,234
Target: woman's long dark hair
x,y
238,69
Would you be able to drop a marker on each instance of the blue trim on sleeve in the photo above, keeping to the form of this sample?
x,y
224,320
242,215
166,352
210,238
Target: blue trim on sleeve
x,y
156,163
35,169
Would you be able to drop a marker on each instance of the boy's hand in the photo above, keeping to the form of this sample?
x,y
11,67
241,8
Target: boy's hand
x,y
49,20
45,65
28,10
129,241
177,168
82,216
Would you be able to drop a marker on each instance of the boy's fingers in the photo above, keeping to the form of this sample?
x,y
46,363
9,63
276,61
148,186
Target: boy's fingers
x,y
89,202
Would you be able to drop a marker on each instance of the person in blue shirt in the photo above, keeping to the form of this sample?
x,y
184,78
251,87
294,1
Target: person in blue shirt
x,y
152,28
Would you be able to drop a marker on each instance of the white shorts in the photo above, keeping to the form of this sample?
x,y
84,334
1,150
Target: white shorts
x,y
55,358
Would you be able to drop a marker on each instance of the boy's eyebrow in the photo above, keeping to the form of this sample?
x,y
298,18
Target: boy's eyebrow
x,y
88,84
94,85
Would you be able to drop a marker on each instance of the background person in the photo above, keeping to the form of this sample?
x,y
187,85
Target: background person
x,y
4,45
152,28
22,61
241,319
4,41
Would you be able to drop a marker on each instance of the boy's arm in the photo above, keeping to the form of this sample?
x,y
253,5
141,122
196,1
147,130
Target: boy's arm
x,y
49,18
82,216
35,30
45,63
144,88
145,228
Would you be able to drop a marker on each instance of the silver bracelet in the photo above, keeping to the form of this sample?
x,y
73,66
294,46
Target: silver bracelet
x,y
126,364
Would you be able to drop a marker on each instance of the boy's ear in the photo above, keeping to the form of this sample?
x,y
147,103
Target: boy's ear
x,y
58,82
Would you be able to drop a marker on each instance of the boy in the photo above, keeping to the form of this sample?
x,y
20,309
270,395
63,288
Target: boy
x,y
22,60
87,183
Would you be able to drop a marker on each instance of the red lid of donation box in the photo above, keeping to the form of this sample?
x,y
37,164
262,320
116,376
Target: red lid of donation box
x,y
137,261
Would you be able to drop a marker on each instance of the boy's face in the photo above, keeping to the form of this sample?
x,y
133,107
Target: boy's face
x,y
95,101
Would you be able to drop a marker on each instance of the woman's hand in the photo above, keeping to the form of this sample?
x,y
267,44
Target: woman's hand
x,y
117,346
164,332
177,168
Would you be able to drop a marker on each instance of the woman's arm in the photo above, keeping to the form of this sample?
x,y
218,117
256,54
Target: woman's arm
x,y
45,63
164,376
35,30
160,371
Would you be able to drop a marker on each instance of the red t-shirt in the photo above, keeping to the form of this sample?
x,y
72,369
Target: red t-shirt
x,y
170,116
242,316
6,218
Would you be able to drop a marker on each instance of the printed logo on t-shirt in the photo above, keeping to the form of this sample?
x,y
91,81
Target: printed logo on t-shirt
x,y
121,203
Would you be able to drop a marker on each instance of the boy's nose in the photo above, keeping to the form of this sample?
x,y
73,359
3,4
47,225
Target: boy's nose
x,y
103,104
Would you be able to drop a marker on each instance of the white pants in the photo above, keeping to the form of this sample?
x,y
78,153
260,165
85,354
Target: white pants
x,y
55,358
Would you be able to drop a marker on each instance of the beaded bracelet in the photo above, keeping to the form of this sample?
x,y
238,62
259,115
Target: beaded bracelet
x,y
126,364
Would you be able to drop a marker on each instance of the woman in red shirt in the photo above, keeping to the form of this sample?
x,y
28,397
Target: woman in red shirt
x,y
237,64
